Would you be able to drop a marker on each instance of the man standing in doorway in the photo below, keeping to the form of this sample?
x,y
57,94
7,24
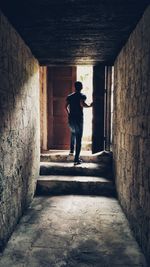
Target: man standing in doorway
x,y
75,103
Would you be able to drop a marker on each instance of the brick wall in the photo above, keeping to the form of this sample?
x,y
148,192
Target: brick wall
x,y
131,144
19,127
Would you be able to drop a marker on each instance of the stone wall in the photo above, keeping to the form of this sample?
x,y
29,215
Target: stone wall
x,y
19,127
131,144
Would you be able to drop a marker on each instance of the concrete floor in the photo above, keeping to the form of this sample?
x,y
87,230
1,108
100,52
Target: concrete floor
x,y
73,231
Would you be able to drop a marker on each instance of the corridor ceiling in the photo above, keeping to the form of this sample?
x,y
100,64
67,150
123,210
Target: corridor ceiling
x,y
71,32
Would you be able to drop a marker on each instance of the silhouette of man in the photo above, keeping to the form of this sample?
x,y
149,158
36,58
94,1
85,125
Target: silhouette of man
x,y
75,103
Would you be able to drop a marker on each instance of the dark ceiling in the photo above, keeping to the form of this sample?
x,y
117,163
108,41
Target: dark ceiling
x,y
72,32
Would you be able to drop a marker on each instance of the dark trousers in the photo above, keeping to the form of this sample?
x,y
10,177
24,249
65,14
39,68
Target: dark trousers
x,y
76,128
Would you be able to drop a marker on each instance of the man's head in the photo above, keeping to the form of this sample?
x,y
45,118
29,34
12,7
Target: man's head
x,y
78,86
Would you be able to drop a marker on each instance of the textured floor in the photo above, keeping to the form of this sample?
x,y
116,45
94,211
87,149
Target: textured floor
x,y
73,231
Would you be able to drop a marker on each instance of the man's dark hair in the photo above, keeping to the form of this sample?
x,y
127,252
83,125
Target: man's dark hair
x,y
78,86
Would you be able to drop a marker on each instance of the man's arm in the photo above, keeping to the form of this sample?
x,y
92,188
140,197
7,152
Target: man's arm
x,y
67,107
84,104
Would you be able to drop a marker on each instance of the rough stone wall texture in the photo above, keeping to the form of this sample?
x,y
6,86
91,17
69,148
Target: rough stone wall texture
x,y
43,108
19,127
131,144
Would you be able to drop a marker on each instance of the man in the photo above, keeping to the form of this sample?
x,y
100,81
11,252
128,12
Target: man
x,y
75,103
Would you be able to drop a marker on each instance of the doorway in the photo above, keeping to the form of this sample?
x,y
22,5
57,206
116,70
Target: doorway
x,y
59,83
85,75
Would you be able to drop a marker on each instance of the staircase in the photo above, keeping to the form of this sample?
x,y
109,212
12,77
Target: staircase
x,y
58,175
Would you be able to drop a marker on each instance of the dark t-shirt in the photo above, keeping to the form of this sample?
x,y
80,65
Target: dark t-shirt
x,y
76,111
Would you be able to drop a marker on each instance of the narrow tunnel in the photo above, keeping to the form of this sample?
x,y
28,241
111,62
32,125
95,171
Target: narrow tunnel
x,y
114,38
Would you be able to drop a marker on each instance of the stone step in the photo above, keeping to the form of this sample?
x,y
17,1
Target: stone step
x,y
68,168
52,185
86,156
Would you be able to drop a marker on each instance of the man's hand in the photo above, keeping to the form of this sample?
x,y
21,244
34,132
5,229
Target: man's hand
x,y
85,105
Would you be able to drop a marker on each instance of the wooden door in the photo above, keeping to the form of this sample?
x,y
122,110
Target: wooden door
x,y
108,115
60,84
98,108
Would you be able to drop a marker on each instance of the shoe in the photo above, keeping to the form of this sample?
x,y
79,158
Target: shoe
x,y
71,154
79,161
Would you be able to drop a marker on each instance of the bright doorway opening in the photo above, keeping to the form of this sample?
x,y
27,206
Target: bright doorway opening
x,y
85,75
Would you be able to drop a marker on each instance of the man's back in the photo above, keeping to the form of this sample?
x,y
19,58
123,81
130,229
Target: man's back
x,y
75,107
